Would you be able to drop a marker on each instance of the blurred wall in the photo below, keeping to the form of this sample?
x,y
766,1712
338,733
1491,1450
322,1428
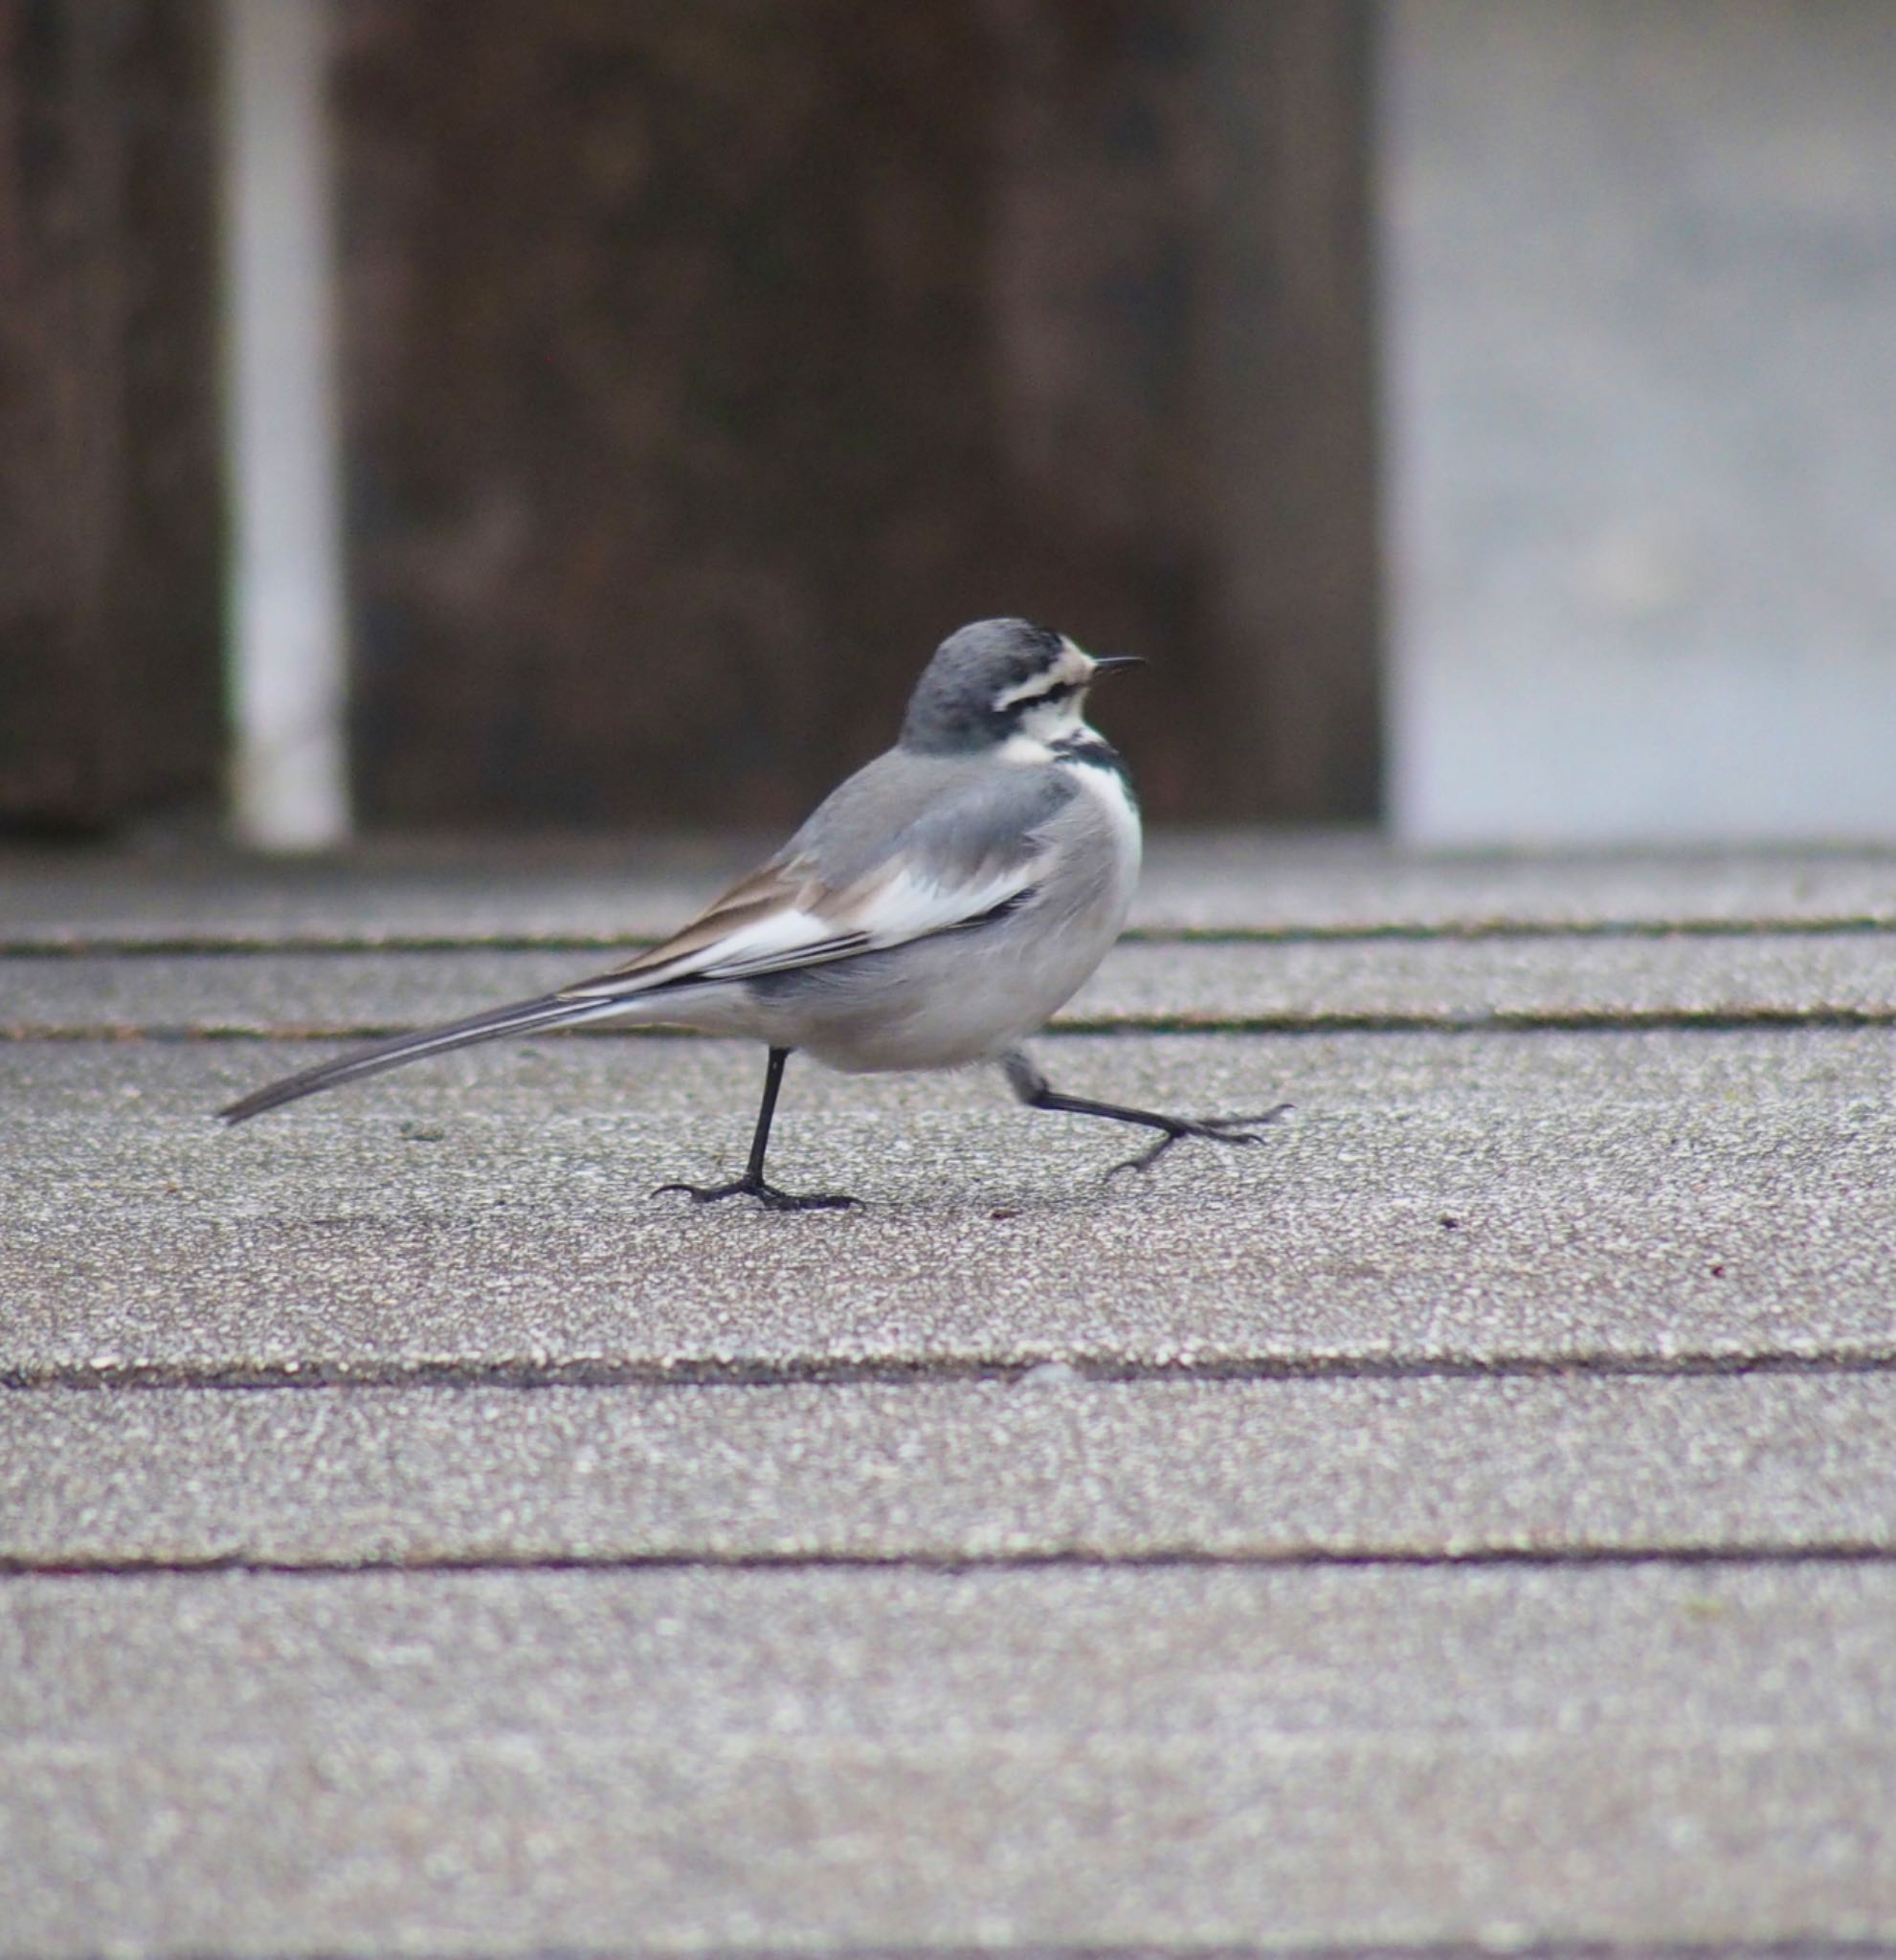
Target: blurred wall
x,y
1638,281
110,505
710,360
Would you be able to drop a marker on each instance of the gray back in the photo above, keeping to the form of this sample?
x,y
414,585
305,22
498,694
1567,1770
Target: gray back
x,y
953,816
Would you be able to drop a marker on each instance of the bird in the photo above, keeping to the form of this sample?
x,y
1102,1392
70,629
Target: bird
x,y
935,910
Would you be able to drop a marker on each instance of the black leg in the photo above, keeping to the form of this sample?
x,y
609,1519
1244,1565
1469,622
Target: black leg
x,y
751,1184
1038,1092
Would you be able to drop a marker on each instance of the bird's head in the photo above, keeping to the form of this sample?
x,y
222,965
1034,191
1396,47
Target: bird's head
x,y
1000,678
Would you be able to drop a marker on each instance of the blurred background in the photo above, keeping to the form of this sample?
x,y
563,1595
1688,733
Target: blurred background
x,y
460,415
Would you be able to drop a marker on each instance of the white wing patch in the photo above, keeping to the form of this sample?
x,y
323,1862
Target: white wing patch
x,y
887,910
790,937
894,910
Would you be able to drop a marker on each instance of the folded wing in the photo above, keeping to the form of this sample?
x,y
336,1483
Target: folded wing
x,y
974,848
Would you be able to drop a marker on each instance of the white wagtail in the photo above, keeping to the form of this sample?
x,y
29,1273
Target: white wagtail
x,y
935,911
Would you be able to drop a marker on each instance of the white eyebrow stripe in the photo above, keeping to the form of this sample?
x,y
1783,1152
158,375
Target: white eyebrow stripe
x,y
1062,674
1028,690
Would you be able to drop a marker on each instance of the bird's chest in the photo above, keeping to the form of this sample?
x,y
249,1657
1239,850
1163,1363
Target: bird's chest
x,y
1080,906
1109,840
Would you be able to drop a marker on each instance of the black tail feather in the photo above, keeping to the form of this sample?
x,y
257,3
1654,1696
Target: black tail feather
x,y
518,1019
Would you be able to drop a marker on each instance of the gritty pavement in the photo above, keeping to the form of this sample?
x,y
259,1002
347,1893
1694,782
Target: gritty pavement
x,y
1432,1201
1084,1757
1046,1465
1832,976
1465,1519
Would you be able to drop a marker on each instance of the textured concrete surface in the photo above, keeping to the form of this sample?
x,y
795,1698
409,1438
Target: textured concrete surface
x,y
1467,1519
585,890
1447,982
508,1763
1046,1466
1434,1199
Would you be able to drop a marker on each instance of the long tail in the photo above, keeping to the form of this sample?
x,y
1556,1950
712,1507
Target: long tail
x,y
522,1017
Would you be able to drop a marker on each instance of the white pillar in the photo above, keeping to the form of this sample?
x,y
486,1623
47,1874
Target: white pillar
x,y
287,618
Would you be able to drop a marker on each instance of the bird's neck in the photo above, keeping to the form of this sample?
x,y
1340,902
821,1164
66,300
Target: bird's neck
x,y
1078,745
1087,748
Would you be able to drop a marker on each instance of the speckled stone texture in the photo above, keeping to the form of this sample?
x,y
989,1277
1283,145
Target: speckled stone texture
x,y
1466,1519
1036,1465
501,1763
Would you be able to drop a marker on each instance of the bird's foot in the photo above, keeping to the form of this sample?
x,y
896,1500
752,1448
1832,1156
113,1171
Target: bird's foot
x,y
767,1195
1212,1130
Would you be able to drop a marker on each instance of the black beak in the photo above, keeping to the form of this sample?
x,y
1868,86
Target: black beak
x,y
1113,660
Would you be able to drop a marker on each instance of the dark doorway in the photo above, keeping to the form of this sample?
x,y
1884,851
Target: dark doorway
x,y
709,362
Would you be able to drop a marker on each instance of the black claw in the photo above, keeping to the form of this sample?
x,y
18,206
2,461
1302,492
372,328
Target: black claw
x,y
1211,1130
767,1195
1146,1159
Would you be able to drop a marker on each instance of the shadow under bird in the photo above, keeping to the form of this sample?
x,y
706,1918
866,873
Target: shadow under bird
x,y
938,907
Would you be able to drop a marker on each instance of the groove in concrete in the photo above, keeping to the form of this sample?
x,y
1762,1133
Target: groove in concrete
x,y
1317,1021
712,1372
238,944
1841,1552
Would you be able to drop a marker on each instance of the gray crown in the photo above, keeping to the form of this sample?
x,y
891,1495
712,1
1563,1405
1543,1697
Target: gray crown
x,y
952,709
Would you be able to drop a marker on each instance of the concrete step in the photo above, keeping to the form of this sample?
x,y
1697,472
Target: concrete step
x,y
518,1763
1436,1201
1047,1467
1846,978
601,892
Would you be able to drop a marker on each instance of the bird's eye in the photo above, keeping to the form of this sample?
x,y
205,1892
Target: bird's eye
x,y
1017,702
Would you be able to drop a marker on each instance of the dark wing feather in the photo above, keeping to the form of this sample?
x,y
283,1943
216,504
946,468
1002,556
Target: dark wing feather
x,y
909,847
